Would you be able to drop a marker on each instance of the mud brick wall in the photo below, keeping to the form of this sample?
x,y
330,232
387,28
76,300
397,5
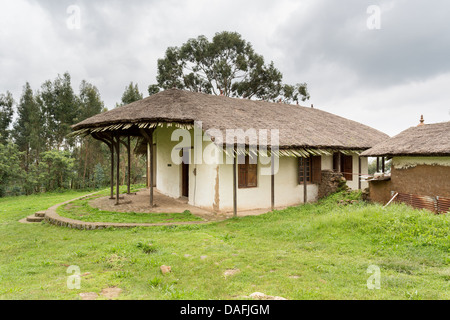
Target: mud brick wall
x,y
422,180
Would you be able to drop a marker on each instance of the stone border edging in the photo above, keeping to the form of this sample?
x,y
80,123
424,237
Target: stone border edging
x,y
54,218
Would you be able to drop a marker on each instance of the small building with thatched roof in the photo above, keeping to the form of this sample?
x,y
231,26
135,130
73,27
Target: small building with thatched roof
x,y
226,154
420,170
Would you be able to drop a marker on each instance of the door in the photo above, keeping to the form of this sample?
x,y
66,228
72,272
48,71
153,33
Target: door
x,y
185,174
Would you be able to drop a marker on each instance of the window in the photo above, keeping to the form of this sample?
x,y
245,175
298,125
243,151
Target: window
x,y
313,169
302,171
346,164
247,174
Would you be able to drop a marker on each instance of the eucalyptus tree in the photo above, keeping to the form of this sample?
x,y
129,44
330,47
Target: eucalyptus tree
x,y
227,65
131,94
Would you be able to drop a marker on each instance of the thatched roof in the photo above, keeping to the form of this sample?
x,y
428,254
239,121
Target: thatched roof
x,y
424,140
299,127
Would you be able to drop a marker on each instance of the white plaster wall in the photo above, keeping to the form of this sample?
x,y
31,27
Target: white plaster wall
x,y
202,169
287,190
168,177
202,183
364,171
354,184
327,162
203,191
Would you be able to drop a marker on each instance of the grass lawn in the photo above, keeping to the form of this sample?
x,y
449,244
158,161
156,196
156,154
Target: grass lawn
x,y
319,251
81,210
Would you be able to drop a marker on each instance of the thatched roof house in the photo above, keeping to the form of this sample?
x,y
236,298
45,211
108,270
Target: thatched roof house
x,y
420,172
312,149
300,127
424,140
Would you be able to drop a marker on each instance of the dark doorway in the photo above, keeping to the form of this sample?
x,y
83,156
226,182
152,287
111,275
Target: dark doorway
x,y
185,173
343,163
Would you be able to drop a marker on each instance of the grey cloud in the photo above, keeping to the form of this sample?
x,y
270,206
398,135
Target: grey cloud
x,y
413,42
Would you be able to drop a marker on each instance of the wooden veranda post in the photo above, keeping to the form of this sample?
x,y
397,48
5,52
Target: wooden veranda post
x,y
339,163
305,182
359,174
148,165
235,185
109,141
151,169
129,164
148,135
272,181
117,167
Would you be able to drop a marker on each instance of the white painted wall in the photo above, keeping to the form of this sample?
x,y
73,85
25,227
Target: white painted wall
x,y
202,176
216,167
287,190
354,184
327,162
168,177
203,182
364,171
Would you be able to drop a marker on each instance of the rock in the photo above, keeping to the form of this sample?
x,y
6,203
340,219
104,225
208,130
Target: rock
x,y
258,295
262,296
203,257
187,255
165,269
111,293
88,296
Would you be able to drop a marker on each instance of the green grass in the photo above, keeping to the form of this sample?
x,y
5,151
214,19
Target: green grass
x,y
81,210
317,251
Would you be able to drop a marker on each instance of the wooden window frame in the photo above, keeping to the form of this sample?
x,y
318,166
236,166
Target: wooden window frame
x,y
313,170
301,170
244,170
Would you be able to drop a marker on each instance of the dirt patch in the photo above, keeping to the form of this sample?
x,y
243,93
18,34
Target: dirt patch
x,y
231,272
71,206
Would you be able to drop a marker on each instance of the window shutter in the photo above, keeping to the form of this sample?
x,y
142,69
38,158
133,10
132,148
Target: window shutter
x,y
300,170
316,163
252,175
242,176
247,174
300,166
348,167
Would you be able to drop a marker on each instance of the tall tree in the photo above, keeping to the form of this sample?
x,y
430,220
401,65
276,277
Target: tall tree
x,y
87,155
89,101
227,65
28,126
60,108
6,115
131,94
10,171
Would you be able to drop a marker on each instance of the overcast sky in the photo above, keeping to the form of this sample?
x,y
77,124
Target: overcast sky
x,y
381,70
